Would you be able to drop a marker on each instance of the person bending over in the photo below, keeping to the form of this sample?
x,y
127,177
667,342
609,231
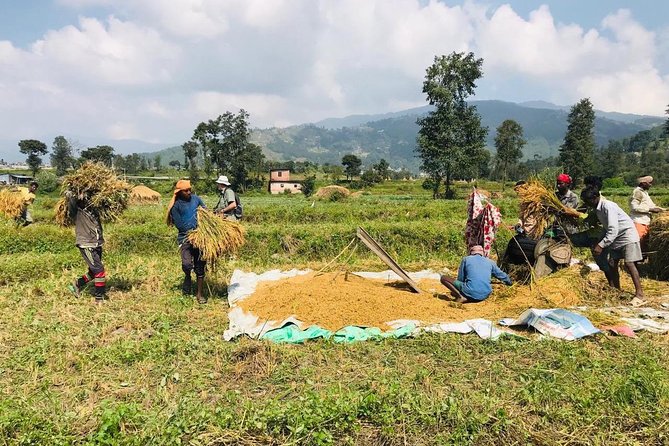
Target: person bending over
x,y
474,275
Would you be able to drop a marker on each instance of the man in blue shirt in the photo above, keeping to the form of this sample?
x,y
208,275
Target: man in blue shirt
x,y
474,274
182,213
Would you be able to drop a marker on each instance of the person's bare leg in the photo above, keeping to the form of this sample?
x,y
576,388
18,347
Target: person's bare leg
x,y
200,286
448,283
614,274
631,268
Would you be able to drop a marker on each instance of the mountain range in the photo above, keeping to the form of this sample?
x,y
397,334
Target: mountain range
x,y
392,136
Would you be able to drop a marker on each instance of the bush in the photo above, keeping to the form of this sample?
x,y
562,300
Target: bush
x,y
612,183
308,185
48,182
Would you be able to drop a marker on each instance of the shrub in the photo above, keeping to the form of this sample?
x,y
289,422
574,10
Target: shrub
x,y
612,183
48,182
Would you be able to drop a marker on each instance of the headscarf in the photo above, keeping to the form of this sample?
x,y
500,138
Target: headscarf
x,y
476,249
181,185
646,179
564,178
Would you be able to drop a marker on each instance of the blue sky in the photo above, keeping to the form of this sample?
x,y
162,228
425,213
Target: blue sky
x,y
151,69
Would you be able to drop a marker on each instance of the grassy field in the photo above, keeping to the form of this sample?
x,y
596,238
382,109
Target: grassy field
x,y
150,366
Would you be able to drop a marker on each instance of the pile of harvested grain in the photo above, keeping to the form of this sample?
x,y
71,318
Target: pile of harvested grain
x,y
11,203
540,204
658,243
215,236
97,186
335,300
332,193
141,194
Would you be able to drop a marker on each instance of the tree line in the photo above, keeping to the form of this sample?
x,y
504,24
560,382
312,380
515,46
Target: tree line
x,y
451,140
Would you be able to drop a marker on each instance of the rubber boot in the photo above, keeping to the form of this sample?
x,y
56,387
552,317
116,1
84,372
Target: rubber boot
x,y
187,286
200,285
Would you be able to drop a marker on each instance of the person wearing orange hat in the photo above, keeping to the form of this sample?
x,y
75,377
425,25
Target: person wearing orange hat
x,y
182,213
642,206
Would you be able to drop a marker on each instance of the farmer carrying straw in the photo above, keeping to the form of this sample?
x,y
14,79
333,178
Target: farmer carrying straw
x,y
89,240
182,213
28,195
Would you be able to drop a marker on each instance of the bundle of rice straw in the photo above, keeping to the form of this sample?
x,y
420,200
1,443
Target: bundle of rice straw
x,y
332,193
540,204
215,236
104,192
658,244
141,194
11,203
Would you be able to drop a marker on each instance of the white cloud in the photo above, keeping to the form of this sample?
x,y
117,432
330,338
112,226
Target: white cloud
x,y
156,68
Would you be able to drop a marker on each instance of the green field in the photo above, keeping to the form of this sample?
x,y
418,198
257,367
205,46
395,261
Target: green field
x,y
150,366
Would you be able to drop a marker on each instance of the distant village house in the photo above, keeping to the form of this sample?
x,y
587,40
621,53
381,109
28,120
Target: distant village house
x,y
279,182
10,178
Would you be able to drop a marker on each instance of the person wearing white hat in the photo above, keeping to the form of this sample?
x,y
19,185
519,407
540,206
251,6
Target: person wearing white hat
x,y
228,204
642,206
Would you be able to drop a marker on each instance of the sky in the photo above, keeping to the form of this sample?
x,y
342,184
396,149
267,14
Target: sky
x,y
151,70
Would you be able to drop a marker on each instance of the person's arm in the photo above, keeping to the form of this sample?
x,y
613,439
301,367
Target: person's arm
x,y
638,204
501,275
612,228
572,202
177,218
461,270
201,203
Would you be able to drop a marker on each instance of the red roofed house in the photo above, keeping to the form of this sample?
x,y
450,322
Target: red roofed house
x,y
279,182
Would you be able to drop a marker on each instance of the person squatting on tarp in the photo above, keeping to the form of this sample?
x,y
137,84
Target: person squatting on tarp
x,y
474,276
182,213
620,241
641,207
89,240
483,220
520,249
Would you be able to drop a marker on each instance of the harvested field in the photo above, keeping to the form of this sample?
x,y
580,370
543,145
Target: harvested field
x,y
335,300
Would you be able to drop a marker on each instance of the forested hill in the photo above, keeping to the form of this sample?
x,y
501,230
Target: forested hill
x,y
393,136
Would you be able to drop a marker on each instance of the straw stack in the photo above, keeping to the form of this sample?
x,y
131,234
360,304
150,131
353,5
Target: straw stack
x,y
141,194
539,203
332,193
99,187
658,244
11,203
215,236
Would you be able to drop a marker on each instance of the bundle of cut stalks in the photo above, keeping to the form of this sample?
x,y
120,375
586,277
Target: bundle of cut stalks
x,y
658,244
215,236
539,204
11,203
332,193
97,186
141,194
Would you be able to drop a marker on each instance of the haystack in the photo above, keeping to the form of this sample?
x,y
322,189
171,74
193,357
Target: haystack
x,y
658,244
97,185
11,203
332,193
141,194
215,236
540,204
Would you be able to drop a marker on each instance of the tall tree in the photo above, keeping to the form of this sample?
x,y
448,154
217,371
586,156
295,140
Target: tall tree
x,y
157,163
34,149
608,160
509,143
61,155
382,169
190,162
100,154
666,123
225,144
351,165
451,139
577,150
